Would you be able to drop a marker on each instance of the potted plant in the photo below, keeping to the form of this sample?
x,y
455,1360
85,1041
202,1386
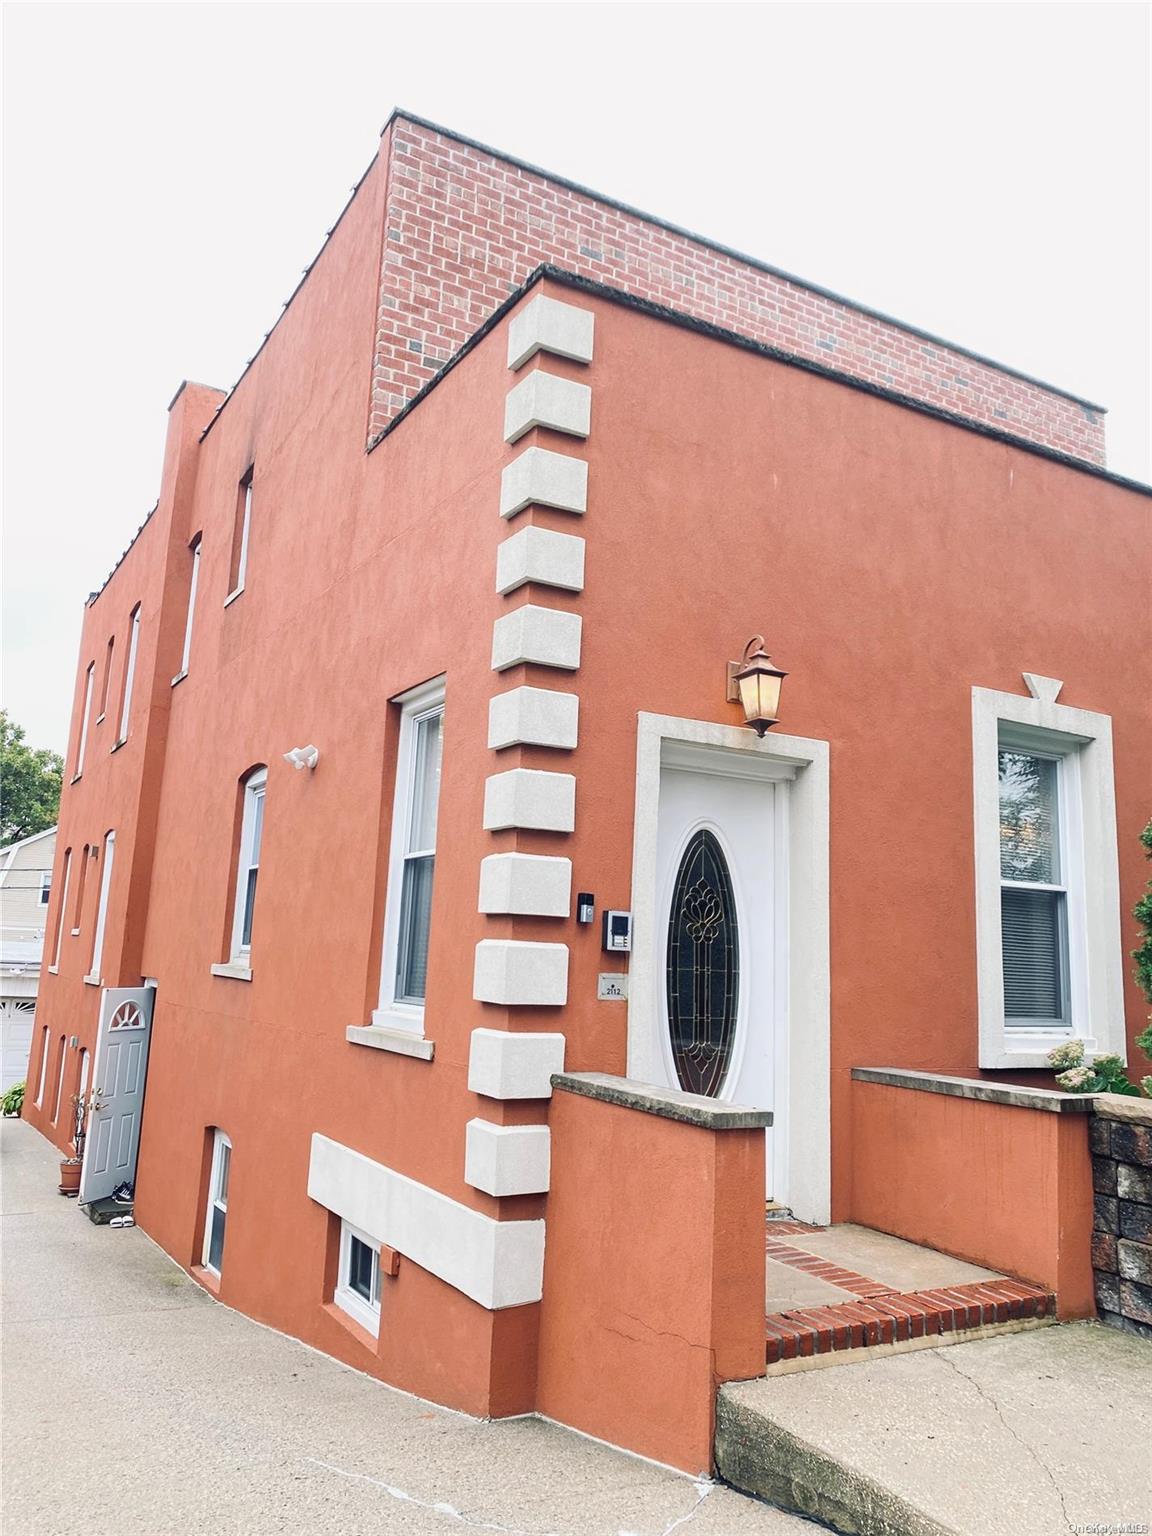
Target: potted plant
x,y
70,1166
12,1103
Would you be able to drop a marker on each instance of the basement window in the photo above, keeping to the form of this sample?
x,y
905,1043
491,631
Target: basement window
x,y
358,1278
216,1219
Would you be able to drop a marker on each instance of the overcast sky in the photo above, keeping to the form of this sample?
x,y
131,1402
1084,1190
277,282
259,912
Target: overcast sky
x,y
981,171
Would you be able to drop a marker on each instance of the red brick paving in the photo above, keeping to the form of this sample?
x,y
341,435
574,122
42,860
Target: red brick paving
x,y
880,1314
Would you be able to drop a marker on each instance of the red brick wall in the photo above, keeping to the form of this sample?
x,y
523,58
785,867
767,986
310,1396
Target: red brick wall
x,y
464,228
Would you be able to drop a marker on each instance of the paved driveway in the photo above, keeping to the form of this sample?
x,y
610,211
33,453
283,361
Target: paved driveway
x,y
134,1403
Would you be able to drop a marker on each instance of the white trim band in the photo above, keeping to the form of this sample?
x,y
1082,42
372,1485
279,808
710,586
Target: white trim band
x,y
496,1263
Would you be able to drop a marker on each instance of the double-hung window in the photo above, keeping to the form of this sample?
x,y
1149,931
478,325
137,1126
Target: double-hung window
x,y
241,533
94,972
129,674
1049,952
45,887
193,583
1033,889
83,739
216,1217
408,914
248,869
358,1280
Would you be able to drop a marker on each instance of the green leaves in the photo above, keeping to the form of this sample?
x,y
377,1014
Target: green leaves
x,y
30,780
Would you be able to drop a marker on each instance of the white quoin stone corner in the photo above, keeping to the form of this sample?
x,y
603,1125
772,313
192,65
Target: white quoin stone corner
x,y
535,717
550,325
542,478
507,1159
546,400
543,556
547,637
521,974
531,799
503,1064
527,884
1044,689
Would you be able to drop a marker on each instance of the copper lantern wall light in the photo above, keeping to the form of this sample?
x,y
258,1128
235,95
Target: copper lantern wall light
x,y
754,683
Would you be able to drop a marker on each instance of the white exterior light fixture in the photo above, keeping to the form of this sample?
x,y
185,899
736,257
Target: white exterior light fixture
x,y
303,757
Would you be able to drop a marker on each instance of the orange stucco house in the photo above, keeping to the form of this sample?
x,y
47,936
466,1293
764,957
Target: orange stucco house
x,y
467,970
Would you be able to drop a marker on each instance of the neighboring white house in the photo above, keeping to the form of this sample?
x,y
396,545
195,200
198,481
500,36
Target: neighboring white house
x,y
25,890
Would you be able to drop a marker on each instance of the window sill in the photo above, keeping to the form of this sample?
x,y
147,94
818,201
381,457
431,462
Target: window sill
x,y
1032,1051
76,777
121,743
233,971
53,970
99,720
92,981
179,678
232,596
402,1041
370,1341
75,933
208,1278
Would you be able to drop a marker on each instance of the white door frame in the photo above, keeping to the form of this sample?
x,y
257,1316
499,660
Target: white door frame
x,y
660,738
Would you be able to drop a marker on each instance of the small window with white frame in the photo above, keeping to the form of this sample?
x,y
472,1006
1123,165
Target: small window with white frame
x,y
216,1216
45,887
189,618
1049,952
248,865
358,1278
412,862
129,675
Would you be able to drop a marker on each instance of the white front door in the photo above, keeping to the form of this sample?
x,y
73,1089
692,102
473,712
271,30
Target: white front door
x,y
113,1136
721,929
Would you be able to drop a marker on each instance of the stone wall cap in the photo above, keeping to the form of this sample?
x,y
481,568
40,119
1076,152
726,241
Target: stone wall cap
x,y
671,1103
977,1088
1121,1106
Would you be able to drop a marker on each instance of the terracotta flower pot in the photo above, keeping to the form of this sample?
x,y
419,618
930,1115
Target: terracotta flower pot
x,y
70,1176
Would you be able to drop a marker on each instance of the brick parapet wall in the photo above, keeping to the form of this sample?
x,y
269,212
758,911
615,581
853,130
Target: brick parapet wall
x,y
464,228
1122,1236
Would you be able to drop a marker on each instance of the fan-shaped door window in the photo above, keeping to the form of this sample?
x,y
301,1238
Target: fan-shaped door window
x,y
703,966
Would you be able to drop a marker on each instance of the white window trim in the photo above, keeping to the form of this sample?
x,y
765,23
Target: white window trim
x,y
60,1081
46,1042
186,654
83,742
219,1141
45,887
245,529
417,705
94,970
255,788
367,1314
1082,739
129,677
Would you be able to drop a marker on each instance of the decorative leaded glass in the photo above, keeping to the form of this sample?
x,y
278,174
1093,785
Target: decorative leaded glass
x,y
703,967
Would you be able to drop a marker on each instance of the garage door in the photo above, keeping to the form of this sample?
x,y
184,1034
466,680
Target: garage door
x,y
17,1016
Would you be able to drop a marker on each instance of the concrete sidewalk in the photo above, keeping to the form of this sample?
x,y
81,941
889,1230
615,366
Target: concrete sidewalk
x,y
134,1403
1027,1434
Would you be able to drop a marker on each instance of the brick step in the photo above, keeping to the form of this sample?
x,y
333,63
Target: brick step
x,y
890,1317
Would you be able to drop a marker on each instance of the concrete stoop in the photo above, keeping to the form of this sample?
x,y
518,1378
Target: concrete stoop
x,y
1023,1434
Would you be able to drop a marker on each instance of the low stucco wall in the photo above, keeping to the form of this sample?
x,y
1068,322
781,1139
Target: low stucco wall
x,y
1003,1179
653,1273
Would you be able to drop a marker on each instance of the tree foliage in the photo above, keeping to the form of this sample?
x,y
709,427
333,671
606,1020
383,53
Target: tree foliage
x,y
30,780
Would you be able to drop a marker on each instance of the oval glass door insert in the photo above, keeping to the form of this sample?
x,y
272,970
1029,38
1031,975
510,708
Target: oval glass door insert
x,y
703,967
